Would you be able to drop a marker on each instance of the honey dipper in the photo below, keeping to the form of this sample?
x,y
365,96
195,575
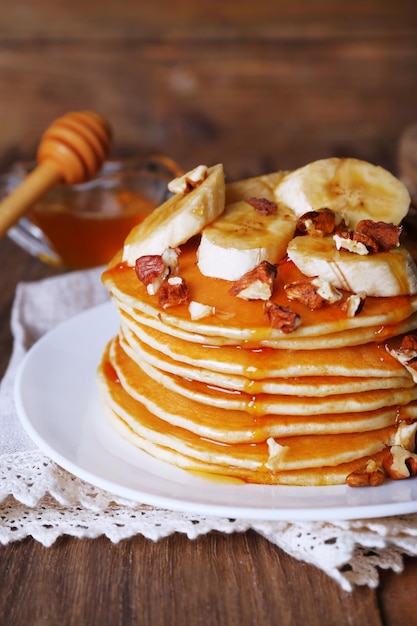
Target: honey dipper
x,y
71,150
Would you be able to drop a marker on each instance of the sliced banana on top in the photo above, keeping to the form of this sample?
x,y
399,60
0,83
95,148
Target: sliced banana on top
x,y
238,240
258,186
178,219
384,274
352,188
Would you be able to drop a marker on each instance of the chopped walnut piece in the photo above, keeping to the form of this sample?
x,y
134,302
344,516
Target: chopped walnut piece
x,y
386,236
257,284
153,269
281,317
400,463
370,475
313,292
190,180
263,206
353,304
172,292
317,223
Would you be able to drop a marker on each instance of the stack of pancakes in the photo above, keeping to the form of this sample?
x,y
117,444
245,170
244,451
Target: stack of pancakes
x,y
228,394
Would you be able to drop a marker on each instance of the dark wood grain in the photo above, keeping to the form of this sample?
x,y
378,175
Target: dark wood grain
x,y
256,108
189,20
215,580
258,86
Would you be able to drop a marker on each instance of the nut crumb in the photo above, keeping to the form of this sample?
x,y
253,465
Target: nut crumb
x,y
369,475
406,354
353,304
172,292
382,236
317,223
400,463
313,292
153,269
257,284
349,244
263,206
187,182
198,310
305,292
281,317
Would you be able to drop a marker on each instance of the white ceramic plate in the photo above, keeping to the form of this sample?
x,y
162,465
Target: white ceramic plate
x,y
58,404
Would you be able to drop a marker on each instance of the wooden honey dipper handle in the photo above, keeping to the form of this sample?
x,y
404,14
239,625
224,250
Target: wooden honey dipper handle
x,y
71,150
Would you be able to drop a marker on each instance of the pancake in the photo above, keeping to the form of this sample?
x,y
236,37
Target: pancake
x,y
299,385
242,460
370,359
229,394
237,321
233,425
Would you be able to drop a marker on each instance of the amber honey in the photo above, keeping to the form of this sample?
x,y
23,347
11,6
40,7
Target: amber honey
x,y
83,225
90,238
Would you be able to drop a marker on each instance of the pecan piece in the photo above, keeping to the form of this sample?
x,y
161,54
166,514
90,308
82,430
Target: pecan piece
x,y
385,236
257,284
370,475
341,228
172,292
409,343
198,310
150,268
412,367
313,292
281,317
400,463
353,304
263,206
406,435
366,240
305,292
317,223
406,354
346,242
153,269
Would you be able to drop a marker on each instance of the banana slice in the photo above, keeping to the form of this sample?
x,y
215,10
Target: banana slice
x,y
238,240
256,187
383,274
352,188
181,217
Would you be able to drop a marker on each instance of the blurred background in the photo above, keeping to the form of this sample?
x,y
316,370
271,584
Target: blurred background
x,y
258,85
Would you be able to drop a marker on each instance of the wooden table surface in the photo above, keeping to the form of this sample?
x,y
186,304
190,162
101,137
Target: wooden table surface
x,y
217,579
259,86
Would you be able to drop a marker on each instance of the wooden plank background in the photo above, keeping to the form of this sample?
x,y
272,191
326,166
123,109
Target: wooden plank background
x,y
258,85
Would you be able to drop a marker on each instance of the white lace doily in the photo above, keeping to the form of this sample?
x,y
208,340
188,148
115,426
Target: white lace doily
x,y
42,500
